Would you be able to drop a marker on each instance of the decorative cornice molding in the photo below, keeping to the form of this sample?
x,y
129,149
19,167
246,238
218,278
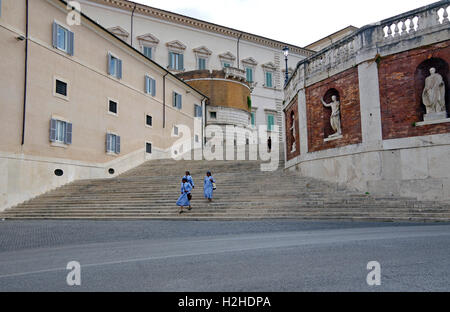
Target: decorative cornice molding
x,y
227,56
202,50
250,61
119,31
202,25
148,39
269,66
176,45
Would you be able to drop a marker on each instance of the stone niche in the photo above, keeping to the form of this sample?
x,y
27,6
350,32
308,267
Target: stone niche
x,y
292,130
428,93
329,133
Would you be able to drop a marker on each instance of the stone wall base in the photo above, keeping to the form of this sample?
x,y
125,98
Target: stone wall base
x,y
422,173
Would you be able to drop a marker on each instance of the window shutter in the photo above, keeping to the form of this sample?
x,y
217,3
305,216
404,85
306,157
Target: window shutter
x,y
55,35
180,104
174,99
109,63
181,62
119,69
68,136
70,48
153,81
117,144
170,60
108,142
53,130
147,84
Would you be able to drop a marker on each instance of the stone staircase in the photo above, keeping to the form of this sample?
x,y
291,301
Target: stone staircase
x,y
244,192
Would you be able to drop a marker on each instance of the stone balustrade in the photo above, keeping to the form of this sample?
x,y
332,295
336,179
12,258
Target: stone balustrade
x,y
234,72
367,42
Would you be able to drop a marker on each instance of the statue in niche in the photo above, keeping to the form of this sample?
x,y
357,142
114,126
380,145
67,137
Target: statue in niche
x,y
335,119
433,95
293,148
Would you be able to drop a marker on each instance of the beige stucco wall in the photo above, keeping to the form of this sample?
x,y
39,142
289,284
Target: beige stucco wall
x,y
28,170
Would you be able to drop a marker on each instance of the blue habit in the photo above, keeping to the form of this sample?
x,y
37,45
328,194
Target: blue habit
x,y
208,187
183,200
190,180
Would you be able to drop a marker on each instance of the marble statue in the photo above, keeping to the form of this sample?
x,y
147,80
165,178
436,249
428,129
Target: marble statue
x,y
335,118
434,93
293,148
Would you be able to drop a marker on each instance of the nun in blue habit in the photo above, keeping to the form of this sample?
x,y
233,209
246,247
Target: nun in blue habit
x,y
183,200
208,185
189,179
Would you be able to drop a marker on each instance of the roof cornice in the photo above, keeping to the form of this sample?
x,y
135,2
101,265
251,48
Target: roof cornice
x,y
202,25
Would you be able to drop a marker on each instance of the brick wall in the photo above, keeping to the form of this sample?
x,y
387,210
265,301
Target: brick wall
x,y
346,84
292,108
402,79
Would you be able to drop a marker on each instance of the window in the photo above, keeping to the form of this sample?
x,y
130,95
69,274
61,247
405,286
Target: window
x,y
112,143
201,63
114,66
176,61
175,130
60,131
197,111
226,64
148,148
112,107
249,72
177,100
213,115
148,52
197,139
253,121
149,120
63,39
269,83
61,87
0,8
270,122
150,85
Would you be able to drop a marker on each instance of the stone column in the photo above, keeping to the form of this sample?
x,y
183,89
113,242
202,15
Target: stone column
x,y
370,105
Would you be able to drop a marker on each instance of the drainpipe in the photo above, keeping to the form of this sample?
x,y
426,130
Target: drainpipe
x,y
132,17
203,122
238,60
26,77
164,100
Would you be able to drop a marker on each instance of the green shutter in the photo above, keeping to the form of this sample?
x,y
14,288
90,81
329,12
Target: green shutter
x,y
270,122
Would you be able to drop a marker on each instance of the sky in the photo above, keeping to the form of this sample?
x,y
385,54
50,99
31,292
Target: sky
x,y
297,22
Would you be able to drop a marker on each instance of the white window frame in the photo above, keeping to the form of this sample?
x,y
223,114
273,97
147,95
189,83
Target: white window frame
x,y
59,143
152,49
108,150
66,42
151,144
175,105
60,96
150,90
195,111
177,134
206,62
252,68
116,67
117,103
265,79
274,114
147,125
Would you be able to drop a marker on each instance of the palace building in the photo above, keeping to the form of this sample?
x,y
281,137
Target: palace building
x,y
79,103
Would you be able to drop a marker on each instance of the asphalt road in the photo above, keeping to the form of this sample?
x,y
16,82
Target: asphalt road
x,y
223,256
